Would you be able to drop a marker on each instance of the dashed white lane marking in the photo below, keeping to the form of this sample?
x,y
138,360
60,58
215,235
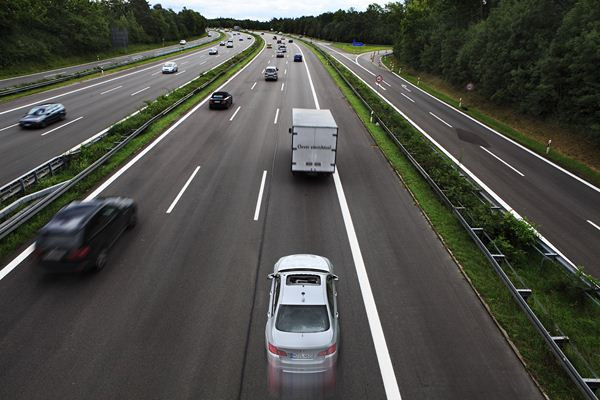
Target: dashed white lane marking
x,y
260,195
378,84
156,73
235,113
8,127
62,126
276,116
501,160
180,72
282,86
593,224
407,97
140,91
387,83
110,90
252,88
174,203
439,119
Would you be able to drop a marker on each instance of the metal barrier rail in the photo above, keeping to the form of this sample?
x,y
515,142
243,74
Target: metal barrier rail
x,y
587,386
99,68
24,216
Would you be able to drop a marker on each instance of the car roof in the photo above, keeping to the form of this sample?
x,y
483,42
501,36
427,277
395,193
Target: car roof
x,y
303,294
220,94
271,67
306,262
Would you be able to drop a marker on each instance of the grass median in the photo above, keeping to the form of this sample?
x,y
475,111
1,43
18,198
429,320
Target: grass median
x,y
26,233
556,299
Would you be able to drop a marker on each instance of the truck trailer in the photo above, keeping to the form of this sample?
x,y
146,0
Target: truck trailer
x,y
314,141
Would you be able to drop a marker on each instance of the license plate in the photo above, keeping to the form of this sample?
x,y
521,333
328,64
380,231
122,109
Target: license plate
x,y
300,356
54,255
216,101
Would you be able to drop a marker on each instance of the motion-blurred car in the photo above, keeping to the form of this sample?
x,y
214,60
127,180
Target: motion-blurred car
x,y
241,39
271,73
169,67
40,116
279,54
249,38
213,51
220,100
302,331
269,46
222,43
182,42
298,57
291,41
80,235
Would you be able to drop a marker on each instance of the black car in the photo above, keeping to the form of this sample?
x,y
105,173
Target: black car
x,y
40,116
297,57
79,236
220,100
290,41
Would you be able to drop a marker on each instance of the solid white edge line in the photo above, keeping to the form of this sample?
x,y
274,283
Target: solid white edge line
x,y
501,160
110,90
252,88
593,224
187,183
439,119
407,97
235,113
467,171
260,195
312,87
140,91
25,253
519,145
276,116
384,360
8,127
62,126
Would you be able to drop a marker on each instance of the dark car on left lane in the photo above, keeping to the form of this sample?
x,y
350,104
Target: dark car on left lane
x,y
40,116
80,235
220,100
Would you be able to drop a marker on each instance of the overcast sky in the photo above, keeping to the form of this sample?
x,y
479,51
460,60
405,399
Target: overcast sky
x,y
263,10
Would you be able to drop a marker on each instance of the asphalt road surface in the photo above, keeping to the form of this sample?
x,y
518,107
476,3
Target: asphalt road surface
x,y
180,310
565,209
32,78
92,106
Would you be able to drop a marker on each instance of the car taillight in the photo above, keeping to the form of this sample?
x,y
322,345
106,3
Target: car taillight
x,y
329,351
276,351
78,254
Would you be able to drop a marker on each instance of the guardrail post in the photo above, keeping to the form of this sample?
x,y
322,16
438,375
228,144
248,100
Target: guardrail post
x,y
22,184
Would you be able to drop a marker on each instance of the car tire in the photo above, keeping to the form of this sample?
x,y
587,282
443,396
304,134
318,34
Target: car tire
x,y
132,220
101,259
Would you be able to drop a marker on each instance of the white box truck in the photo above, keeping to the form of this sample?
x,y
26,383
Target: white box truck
x,y
314,141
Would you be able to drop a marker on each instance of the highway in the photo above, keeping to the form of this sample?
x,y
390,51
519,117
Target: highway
x,y
92,106
36,77
180,310
564,208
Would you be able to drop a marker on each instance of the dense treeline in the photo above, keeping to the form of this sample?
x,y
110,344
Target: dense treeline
x,y
42,29
541,57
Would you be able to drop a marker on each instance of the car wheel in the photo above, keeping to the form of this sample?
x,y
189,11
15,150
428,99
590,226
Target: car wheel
x,y
101,259
132,220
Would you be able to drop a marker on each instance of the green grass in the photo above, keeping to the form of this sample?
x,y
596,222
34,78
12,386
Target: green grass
x,y
578,318
25,234
348,48
111,71
576,167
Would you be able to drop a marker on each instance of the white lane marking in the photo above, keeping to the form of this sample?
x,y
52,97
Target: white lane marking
x,y
404,86
185,62
156,73
593,224
62,126
407,97
110,90
351,60
174,203
48,76
25,253
466,170
501,160
282,85
140,91
379,84
8,127
286,62
269,62
312,86
180,72
285,71
235,113
276,116
252,88
439,119
260,195
203,62
387,83
383,356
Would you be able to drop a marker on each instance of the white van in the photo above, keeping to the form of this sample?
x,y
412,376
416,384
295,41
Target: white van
x,y
314,141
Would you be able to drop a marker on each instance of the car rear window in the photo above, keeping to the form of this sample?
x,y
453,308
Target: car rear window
x,y
302,319
59,240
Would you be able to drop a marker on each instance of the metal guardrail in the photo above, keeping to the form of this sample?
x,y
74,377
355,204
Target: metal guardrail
x,y
26,214
587,386
99,68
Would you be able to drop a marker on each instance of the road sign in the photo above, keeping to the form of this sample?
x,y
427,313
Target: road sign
x,y
379,79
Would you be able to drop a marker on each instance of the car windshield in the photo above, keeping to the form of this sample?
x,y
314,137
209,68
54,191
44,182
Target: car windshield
x,y
169,64
302,319
36,111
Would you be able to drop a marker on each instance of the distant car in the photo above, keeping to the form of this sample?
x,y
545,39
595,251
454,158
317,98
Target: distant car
x,y
279,54
80,235
274,37
220,100
269,46
302,330
271,73
291,41
262,33
278,41
182,42
283,48
230,44
240,39
222,43
169,67
297,57
40,116
249,38
213,51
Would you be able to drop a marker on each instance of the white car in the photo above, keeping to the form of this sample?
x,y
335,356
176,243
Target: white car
x,y
169,67
182,42
230,44
213,51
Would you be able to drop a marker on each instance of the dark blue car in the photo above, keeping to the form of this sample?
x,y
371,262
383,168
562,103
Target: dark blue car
x,y
40,116
297,57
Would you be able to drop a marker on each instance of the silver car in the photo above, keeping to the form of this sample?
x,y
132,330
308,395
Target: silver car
x,y
302,331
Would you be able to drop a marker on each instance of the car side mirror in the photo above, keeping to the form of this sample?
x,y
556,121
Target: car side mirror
x,y
270,276
290,130
335,277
